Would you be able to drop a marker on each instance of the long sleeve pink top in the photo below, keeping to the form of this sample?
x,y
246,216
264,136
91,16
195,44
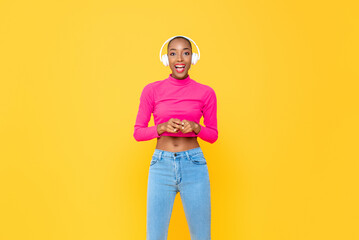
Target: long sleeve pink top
x,y
184,99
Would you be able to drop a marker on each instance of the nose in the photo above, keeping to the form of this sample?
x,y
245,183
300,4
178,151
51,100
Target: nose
x,y
179,58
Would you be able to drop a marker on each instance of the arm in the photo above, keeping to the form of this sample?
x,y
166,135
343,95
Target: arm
x,y
142,132
209,132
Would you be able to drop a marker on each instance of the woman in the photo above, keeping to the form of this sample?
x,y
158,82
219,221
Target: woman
x,y
178,163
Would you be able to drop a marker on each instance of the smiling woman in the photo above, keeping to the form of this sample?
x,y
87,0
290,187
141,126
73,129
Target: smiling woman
x,y
186,51
179,57
178,163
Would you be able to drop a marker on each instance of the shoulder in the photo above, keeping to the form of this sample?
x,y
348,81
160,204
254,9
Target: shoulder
x,y
208,90
148,88
154,84
151,84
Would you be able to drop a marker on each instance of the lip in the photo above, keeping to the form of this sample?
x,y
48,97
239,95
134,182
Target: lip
x,y
180,70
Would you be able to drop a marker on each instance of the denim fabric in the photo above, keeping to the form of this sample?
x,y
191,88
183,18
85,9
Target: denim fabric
x,y
185,172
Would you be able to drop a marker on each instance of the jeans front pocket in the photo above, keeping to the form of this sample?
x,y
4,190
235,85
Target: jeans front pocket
x,y
154,160
198,159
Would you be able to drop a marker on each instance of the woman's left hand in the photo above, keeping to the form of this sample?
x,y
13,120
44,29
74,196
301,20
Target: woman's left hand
x,y
189,126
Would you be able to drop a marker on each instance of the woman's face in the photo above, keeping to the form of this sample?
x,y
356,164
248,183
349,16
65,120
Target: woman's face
x,y
179,58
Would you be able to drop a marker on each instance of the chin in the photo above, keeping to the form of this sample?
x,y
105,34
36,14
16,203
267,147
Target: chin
x,y
179,74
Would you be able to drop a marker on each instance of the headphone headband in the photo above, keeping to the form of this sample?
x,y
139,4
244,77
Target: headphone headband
x,y
180,36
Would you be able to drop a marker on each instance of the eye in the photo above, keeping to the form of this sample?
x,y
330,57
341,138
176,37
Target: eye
x,y
188,53
171,53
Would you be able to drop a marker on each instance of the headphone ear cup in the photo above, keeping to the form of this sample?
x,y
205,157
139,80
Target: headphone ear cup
x,y
194,58
165,59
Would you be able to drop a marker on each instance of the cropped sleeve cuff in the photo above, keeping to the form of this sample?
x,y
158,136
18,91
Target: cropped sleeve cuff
x,y
207,134
153,131
202,132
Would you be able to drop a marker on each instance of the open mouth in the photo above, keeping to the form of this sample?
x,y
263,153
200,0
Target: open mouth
x,y
180,67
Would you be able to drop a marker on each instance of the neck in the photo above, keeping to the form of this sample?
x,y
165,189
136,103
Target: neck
x,y
179,82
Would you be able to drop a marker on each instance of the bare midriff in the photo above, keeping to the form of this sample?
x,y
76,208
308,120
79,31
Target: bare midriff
x,y
176,144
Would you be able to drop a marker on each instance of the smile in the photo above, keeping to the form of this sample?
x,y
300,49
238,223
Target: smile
x,y
180,67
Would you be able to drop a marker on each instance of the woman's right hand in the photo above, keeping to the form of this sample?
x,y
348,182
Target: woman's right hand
x,y
171,126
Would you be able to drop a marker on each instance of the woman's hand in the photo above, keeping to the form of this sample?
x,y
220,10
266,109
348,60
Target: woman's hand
x,y
172,126
189,126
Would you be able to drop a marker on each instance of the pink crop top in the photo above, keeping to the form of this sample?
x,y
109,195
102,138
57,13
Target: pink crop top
x,y
184,99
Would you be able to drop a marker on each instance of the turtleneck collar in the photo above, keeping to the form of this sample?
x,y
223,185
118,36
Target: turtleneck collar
x,y
179,82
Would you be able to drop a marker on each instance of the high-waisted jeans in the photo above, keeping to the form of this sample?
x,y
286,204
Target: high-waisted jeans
x,y
185,172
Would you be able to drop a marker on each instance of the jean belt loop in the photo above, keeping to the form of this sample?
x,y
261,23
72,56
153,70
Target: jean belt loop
x,y
188,156
159,157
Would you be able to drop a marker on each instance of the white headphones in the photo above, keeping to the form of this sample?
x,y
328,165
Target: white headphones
x,y
195,57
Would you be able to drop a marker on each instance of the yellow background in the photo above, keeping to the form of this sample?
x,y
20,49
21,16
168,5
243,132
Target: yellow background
x,y
285,166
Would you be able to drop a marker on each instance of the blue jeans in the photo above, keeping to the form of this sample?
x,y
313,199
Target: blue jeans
x,y
185,172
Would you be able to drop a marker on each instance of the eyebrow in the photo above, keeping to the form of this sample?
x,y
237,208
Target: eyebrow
x,y
183,49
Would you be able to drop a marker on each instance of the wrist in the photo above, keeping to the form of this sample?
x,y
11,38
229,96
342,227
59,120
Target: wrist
x,y
159,129
197,128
